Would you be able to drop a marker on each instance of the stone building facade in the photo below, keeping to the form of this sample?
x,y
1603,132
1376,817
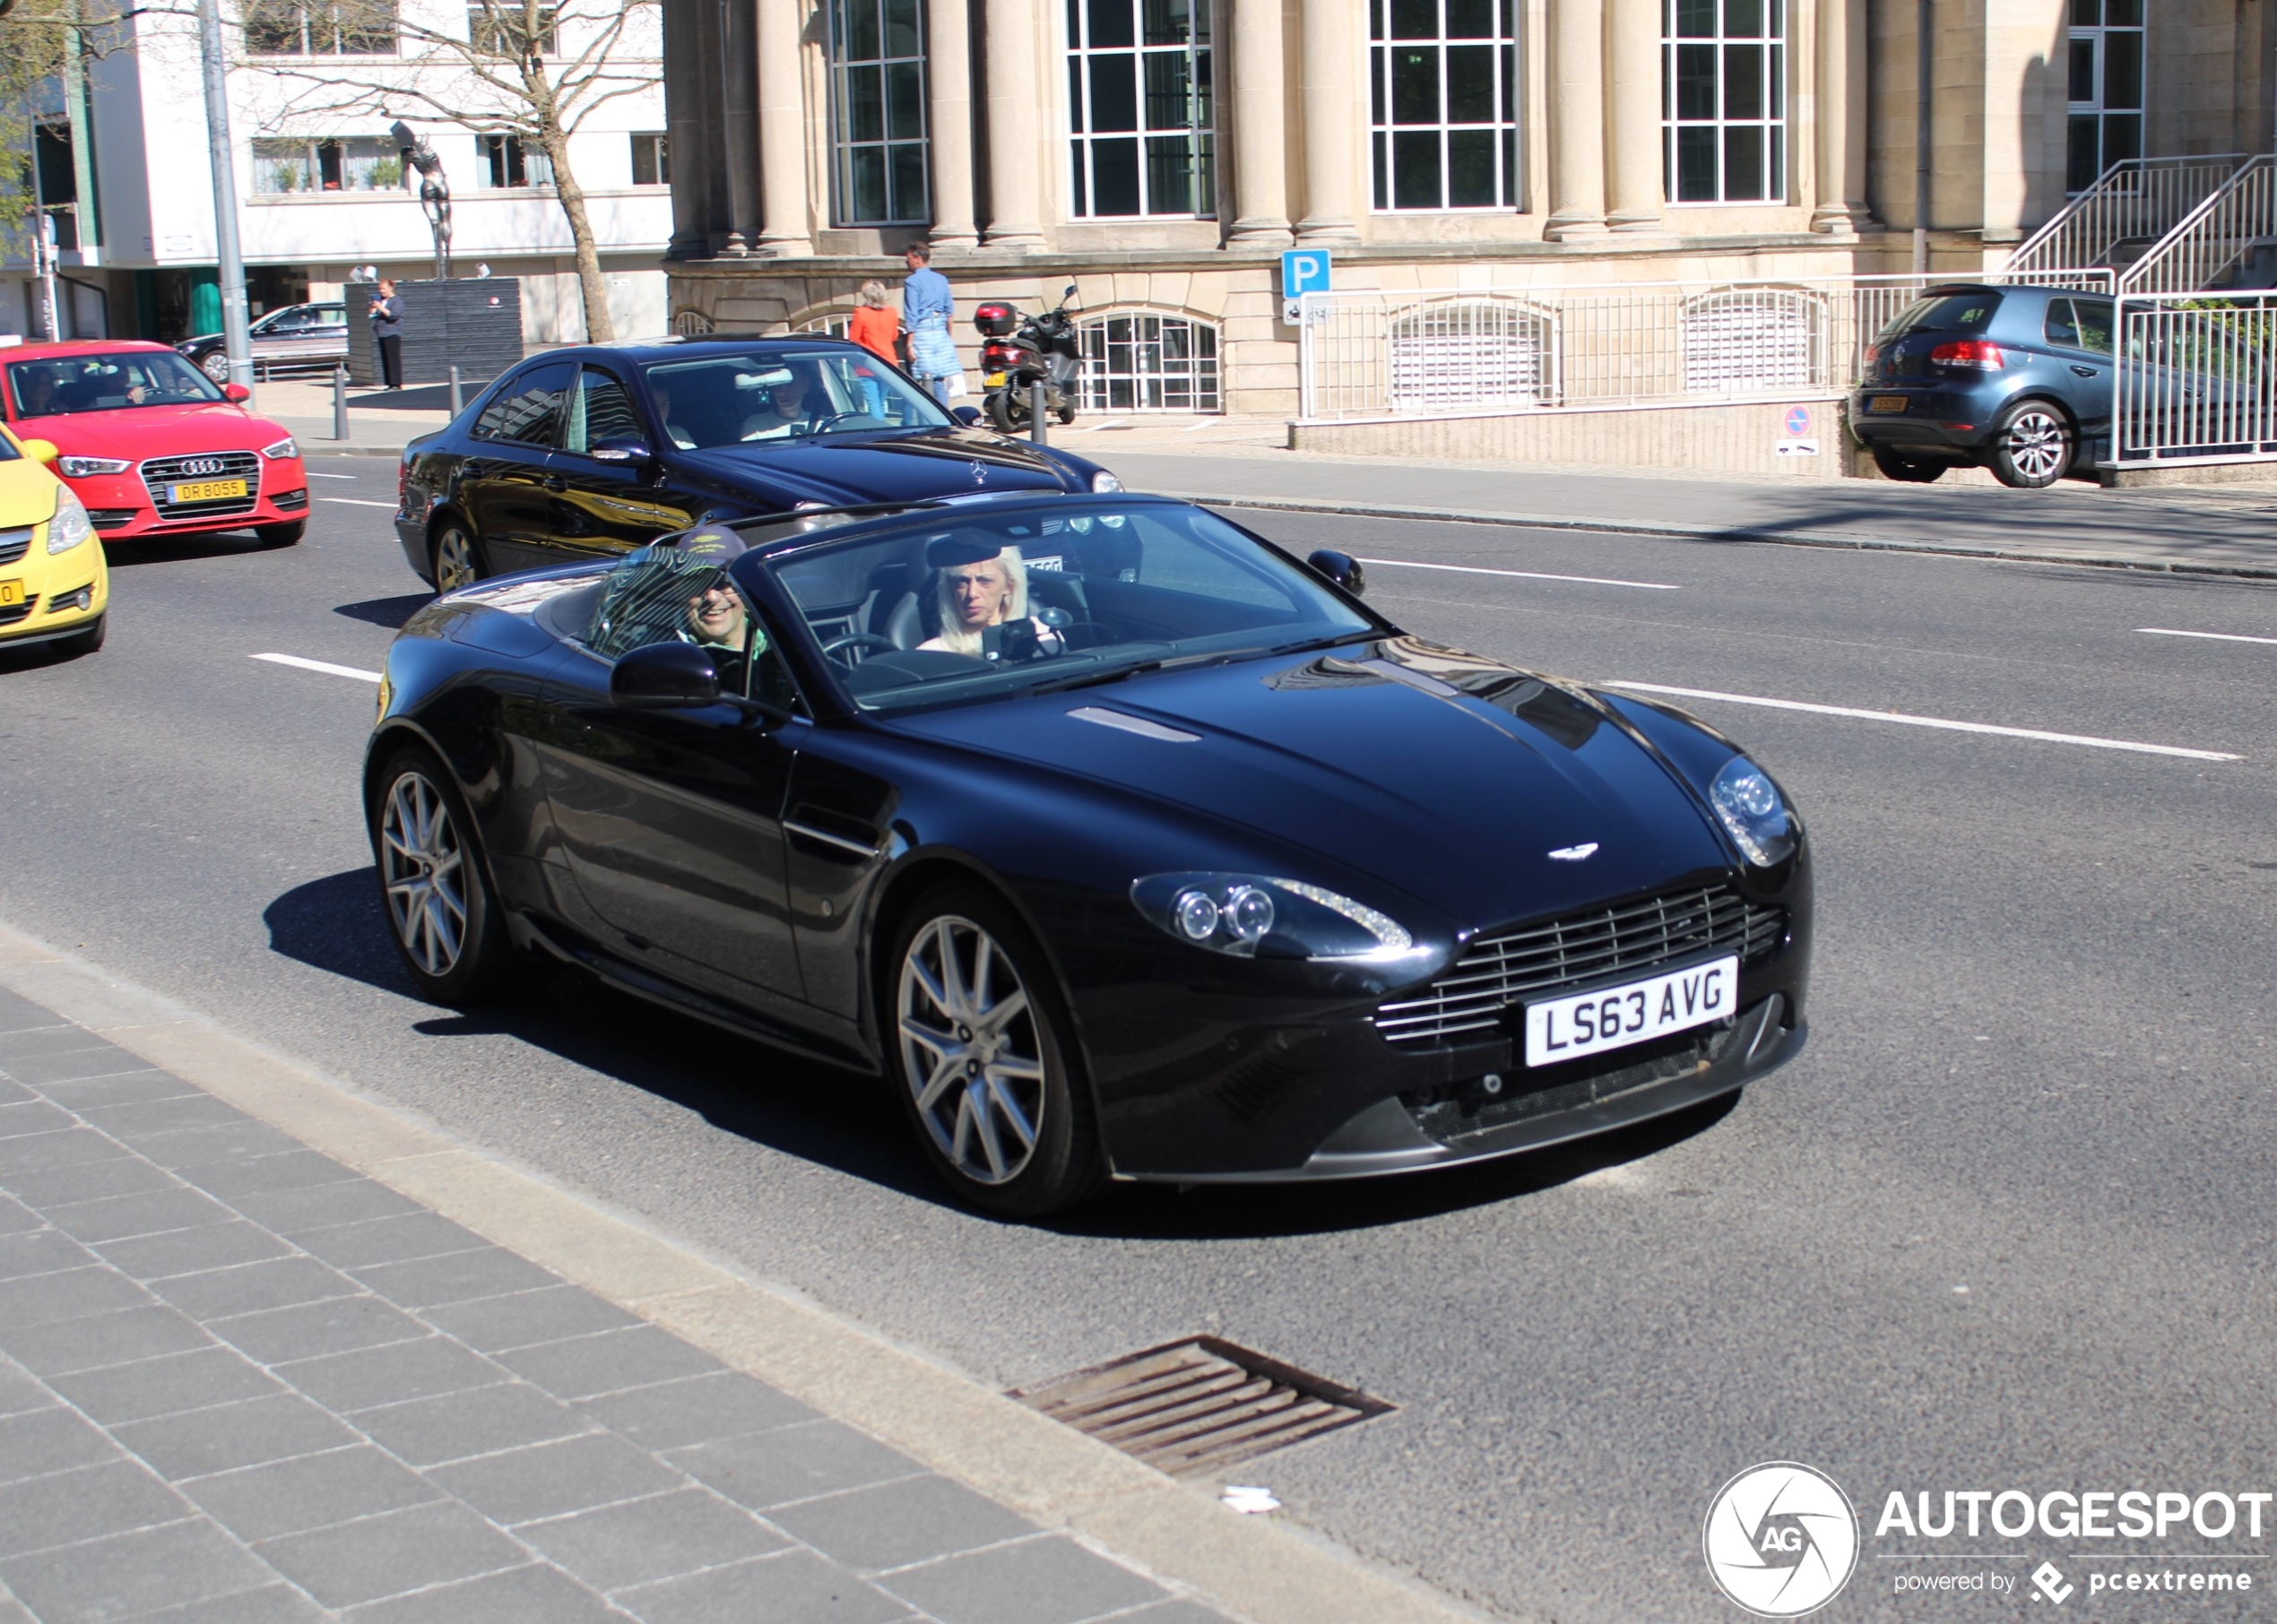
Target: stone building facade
x,y
1160,154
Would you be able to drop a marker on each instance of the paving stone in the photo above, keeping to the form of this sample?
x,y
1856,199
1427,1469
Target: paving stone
x,y
455,1277
130,1574
60,1039
428,1432
41,1252
225,1437
793,1463
280,1282
894,1525
699,1409
492,1325
1050,1580
389,1555
391,1374
191,1251
526,1595
18,1393
306,1330
166,1385
155,1212
291,1213
311,1492
548,1479
293,1171
795,1587
41,1188
276,1604
391,1240
20,1014
68,1506
96,1340
657,1538
585,1367
37,1442
39,1300
16,1217
95,1059
31,1114
116,1088
13,1092
1173,1612
133,1121
186,1149
46,1153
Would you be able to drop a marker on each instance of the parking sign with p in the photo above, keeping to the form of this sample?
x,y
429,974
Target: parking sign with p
x,y
1303,271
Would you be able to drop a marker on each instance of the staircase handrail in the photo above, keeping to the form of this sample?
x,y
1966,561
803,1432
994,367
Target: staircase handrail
x,y
2135,197
2212,236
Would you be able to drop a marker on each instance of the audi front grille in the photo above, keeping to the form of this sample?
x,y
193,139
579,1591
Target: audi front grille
x,y
160,473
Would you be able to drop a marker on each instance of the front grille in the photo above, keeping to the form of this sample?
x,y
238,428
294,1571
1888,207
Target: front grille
x,y
14,544
18,611
161,473
1498,969
290,501
112,518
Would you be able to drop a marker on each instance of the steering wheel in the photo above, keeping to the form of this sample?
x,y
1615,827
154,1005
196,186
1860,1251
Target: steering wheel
x,y
819,425
862,640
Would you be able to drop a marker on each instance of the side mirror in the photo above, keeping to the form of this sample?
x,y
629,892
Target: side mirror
x,y
236,391
620,448
1342,568
1067,293
39,451
665,677
970,416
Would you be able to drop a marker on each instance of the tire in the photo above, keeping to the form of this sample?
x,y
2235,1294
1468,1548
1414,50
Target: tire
x,y
442,913
1908,470
87,642
986,1079
458,556
282,535
1007,417
1065,412
215,365
2034,446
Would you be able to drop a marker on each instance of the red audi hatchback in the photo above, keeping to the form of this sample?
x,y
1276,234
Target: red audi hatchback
x,y
151,445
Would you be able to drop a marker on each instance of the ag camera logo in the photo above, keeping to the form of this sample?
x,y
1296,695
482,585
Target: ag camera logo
x,y
1781,1540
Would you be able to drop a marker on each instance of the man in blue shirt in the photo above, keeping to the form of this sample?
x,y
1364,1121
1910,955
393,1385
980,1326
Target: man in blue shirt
x,y
927,309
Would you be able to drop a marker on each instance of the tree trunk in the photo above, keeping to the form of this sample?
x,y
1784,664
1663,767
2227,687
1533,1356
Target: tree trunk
x,y
599,327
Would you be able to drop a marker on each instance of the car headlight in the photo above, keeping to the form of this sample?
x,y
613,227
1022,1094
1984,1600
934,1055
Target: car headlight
x,y
1753,813
1104,481
71,526
1252,916
286,447
81,468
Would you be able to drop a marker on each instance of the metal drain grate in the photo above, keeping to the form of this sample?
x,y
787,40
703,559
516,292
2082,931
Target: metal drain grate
x,y
1195,1406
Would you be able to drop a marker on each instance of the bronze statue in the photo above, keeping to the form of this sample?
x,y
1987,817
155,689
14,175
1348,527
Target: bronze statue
x,y
434,191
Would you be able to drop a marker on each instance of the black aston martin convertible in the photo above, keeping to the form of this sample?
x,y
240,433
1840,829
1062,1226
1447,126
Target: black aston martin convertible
x,y
1122,843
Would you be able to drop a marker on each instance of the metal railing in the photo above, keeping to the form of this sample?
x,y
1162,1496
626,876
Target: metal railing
x,y
2137,199
2222,230
1463,352
2196,380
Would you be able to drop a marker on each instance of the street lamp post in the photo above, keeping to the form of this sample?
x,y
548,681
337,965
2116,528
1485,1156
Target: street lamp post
x,y
234,336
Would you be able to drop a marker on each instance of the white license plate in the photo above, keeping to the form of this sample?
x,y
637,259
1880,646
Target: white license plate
x,y
1613,1017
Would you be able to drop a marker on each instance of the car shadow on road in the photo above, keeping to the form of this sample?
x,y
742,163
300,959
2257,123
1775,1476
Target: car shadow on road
x,y
389,612
852,1124
138,551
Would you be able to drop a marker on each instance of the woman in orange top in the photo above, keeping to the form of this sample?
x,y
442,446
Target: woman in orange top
x,y
872,325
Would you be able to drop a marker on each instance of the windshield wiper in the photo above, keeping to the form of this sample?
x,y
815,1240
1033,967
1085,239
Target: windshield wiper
x,y
1097,679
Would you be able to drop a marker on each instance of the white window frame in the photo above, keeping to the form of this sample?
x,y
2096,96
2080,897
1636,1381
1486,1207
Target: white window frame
x,y
2097,36
1192,383
304,153
888,143
1089,66
1506,81
1678,119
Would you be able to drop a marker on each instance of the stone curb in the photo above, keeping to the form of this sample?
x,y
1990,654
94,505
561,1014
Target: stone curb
x,y
1269,1572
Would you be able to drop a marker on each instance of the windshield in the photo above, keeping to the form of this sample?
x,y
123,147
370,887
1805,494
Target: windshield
x,y
961,606
63,385
780,397
1970,312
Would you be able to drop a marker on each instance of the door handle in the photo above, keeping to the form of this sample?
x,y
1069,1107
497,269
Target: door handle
x,y
554,481
2087,372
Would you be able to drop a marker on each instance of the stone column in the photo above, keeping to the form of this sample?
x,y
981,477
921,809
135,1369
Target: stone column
x,y
1840,117
788,229
684,127
1633,141
1260,136
1334,96
948,122
1015,159
1577,120
739,125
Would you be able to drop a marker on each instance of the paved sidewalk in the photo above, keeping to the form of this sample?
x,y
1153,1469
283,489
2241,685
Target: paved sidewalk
x,y
241,1383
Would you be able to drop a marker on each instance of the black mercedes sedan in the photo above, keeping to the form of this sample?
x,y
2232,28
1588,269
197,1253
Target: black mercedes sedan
x,y
1122,844
593,451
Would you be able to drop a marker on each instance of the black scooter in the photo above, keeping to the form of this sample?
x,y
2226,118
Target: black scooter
x,y
1018,352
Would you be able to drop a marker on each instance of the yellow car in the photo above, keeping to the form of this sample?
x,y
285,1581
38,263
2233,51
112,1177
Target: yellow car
x,y
52,586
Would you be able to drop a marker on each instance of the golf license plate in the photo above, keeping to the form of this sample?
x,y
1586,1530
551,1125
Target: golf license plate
x,y
11,591
1613,1017
1890,402
206,490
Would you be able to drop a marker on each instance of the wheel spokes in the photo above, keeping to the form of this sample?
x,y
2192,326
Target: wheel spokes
x,y
971,1069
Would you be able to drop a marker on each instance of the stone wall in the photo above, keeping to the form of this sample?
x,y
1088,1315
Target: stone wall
x,y
1740,438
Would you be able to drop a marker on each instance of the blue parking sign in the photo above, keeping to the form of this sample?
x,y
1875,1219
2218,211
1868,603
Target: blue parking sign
x,y
1303,271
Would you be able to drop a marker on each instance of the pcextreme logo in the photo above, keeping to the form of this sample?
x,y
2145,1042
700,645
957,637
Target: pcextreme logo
x,y
1781,1540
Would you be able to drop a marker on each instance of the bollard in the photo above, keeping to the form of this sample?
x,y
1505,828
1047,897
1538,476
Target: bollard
x,y
1035,414
339,402
458,401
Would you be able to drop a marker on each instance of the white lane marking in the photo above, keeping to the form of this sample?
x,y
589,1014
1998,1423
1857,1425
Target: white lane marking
x,y
1095,427
358,502
313,474
1933,722
2161,631
325,666
1197,427
1525,575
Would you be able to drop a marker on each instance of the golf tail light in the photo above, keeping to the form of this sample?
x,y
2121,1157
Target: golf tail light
x,y
1752,812
1974,355
1252,916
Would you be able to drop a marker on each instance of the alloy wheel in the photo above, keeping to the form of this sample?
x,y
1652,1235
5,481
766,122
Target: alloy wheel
x,y
455,560
971,1053
2036,445
422,865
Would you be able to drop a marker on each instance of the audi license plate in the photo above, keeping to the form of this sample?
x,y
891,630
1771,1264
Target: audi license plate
x,y
11,591
1613,1017
1890,402
204,490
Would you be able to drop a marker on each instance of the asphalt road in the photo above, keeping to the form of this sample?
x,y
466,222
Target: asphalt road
x,y
2007,1223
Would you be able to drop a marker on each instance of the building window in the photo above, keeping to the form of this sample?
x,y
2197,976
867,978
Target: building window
x,y
2106,72
1723,99
878,112
320,28
651,160
1150,363
501,28
352,164
1455,354
507,162
1139,106
1442,77
1755,339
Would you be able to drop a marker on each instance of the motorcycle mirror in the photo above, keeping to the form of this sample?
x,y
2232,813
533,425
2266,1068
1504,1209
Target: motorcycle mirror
x,y
1067,293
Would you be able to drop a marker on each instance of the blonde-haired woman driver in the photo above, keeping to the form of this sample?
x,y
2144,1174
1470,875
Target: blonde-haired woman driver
x,y
979,590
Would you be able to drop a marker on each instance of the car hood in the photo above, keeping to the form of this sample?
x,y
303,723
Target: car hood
x,y
155,431
26,493
1449,775
887,467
